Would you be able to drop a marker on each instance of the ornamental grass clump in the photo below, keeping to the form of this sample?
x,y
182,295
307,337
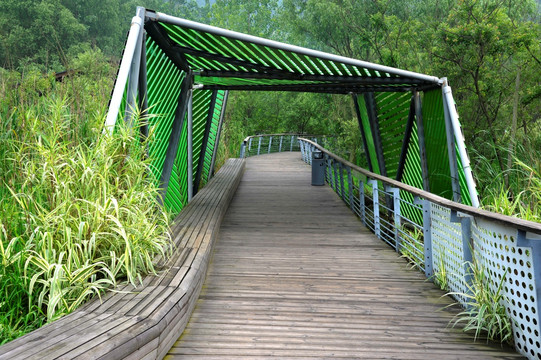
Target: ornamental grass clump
x,y
80,213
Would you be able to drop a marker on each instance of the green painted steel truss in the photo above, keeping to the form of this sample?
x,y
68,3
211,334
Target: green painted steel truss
x,y
180,72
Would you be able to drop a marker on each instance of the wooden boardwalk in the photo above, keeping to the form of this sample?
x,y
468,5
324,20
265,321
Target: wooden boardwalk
x,y
296,275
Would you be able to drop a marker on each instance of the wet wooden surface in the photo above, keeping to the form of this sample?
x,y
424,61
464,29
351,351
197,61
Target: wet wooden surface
x,y
296,275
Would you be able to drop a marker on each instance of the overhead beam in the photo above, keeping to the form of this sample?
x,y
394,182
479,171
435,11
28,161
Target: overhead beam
x,y
406,141
160,36
204,143
174,138
361,80
361,128
318,88
370,101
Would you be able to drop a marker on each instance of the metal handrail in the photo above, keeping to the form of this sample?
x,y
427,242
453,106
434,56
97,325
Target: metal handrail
x,y
521,224
271,143
442,238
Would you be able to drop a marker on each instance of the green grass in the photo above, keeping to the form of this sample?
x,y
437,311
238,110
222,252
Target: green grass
x,y
79,208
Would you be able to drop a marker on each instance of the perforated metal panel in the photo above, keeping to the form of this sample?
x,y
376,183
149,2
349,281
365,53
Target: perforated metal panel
x,y
448,251
496,246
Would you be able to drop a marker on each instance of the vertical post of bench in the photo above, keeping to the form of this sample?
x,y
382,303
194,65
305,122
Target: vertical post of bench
x,y
280,148
350,189
375,200
270,144
397,216
362,208
259,145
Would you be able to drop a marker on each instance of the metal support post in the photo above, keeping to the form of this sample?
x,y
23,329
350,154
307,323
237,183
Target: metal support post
x,y
336,183
174,138
459,138
204,143
397,216
362,208
350,189
361,128
280,148
259,145
370,101
375,199
218,133
130,110
406,141
453,163
421,136
242,150
535,246
123,72
190,146
291,145
270,144
142,88
250,144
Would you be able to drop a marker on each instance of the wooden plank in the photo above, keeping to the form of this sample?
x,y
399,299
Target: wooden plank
x,y
295,275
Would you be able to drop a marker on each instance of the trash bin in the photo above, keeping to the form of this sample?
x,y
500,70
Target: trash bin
x,y
318,168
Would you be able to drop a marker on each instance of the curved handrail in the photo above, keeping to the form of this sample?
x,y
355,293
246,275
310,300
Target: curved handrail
x,y
521,224
267,143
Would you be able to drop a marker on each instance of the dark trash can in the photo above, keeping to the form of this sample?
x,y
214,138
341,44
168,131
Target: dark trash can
x,y
318,168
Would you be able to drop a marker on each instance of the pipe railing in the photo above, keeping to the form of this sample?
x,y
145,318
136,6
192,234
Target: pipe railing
x,y
443,238
272,143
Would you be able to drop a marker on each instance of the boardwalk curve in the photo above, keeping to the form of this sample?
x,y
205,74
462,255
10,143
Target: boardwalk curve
x,y
296,275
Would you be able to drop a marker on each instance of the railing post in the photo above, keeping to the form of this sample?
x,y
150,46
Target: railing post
x,y
270,144
331,173
375,199
280,148
427,238
350,189
243,150
467,256
259,145
341,169
397,216
291,144
362,208
335,168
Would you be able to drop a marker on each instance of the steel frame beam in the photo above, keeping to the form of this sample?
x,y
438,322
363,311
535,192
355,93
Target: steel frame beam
x,y
370,101
361,128
174,138
322,88
143,95
406,141
160,36
451,150
218,133
204,143
421,136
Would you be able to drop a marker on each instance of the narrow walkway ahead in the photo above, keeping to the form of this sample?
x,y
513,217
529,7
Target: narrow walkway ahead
x,y
296,275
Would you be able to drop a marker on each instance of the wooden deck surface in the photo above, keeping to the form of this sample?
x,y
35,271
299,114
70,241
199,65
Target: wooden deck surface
x,y
296,275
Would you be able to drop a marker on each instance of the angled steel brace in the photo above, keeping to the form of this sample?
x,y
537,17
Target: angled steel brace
x,y
361,128
421,136
218,132
174,138
370,101
143,96
204,143
451,150
160,36
406,141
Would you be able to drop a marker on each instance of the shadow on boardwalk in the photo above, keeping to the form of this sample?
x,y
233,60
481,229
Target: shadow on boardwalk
x,y
296,275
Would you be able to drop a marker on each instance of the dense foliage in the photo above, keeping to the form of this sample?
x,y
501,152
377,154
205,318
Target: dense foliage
x,y
77,211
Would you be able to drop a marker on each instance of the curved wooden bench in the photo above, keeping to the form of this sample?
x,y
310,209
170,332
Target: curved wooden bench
x,y
142,323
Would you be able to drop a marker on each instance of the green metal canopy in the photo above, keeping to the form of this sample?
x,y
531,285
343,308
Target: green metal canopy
x,y
180,72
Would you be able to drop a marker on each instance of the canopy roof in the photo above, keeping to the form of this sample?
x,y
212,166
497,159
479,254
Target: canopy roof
x,y
228,60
